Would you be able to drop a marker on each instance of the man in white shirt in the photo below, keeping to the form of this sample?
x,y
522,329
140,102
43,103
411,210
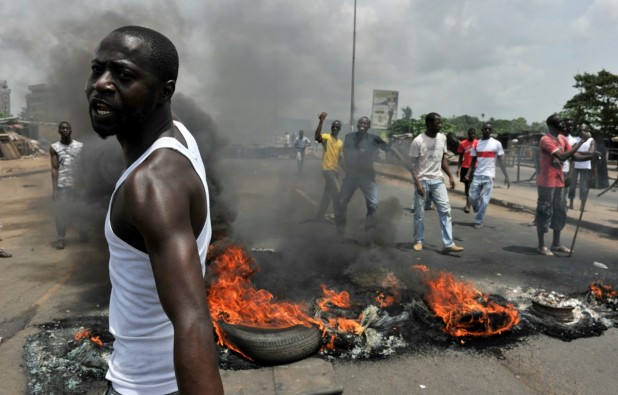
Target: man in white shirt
x,y
427,152
301,143
582,169
482,172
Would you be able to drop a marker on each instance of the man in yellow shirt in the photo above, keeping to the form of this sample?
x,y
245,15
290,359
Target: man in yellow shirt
x,y
330,162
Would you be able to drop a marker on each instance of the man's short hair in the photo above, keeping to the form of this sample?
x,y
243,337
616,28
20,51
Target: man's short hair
x,y
164,57
63,123
430,117
553,121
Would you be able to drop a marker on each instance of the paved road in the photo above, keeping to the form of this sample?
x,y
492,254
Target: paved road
x,y
273,205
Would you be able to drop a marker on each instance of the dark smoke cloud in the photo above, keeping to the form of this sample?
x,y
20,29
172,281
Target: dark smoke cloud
x,y
102,161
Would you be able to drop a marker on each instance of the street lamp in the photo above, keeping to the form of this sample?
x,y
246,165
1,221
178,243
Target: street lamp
x,y
353,60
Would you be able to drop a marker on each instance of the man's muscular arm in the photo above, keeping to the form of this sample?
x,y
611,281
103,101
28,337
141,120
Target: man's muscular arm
x,y
160,207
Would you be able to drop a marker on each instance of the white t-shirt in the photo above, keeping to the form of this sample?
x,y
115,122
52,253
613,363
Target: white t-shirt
x,y
583,148
429,152
486,152
566,165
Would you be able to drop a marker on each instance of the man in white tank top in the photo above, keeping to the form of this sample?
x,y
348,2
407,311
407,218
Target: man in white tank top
x,y
158,223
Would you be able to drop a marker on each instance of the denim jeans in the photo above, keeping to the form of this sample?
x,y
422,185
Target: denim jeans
x,y
480,195
331,191
350,184
584,183
436,191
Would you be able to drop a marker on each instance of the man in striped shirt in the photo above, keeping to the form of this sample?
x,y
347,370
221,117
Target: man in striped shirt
x,y
482,172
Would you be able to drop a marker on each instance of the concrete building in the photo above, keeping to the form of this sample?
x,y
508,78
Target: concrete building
x,y
5,99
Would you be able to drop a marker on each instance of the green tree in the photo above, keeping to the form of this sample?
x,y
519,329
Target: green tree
x,y
596,101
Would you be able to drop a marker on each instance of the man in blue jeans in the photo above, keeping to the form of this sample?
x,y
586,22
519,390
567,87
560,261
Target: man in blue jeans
x,y
428,153
359,152
482,172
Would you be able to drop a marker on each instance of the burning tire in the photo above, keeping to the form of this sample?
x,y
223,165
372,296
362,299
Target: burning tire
x,y
274,346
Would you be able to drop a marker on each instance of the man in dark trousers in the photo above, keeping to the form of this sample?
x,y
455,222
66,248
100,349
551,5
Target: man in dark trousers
x,y
359,152
554,149
158,224
330,163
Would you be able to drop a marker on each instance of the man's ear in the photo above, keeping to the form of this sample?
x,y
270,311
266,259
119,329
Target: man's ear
x,y
167,91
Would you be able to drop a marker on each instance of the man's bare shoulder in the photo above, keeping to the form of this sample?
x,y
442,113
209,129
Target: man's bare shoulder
x,y
164,170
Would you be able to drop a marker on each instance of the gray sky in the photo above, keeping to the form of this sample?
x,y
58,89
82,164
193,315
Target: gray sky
x,y
254,61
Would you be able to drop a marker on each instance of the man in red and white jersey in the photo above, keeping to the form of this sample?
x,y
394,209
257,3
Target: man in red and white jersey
x,y
482,172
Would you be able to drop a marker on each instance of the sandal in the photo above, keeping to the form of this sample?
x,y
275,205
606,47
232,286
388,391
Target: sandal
x,y
560,248
545,251
466,210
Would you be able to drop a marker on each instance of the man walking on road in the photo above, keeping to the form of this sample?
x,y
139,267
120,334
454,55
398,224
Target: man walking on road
x,y
330,163
359,153
63,154
158,223
482,172
554,149
300,144
428,153
463,166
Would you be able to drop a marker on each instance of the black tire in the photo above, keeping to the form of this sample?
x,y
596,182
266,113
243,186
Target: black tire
x,y
274,346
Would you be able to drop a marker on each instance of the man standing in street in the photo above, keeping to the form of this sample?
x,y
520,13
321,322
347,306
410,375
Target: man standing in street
x,y
581,169
330,163
554,149
300,144
63,154
158,223
482,172
463,166
428,152
359,153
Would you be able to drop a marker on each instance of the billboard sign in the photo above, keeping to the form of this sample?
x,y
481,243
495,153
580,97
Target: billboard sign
x,y
384,108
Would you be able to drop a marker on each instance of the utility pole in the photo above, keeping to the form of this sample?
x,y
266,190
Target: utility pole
x,y
353,61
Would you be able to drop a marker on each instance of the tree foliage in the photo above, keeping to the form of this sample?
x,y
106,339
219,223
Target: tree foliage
x,y
596,102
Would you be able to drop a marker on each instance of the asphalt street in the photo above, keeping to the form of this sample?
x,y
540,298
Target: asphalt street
x,y
274,210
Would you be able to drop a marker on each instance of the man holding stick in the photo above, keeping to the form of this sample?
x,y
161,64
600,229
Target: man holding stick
x,y
551,205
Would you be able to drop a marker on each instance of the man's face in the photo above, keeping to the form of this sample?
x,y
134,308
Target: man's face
x,y
434,125
471,135
335,128
363,124
487,129
122,90
301,134
64,129
570,127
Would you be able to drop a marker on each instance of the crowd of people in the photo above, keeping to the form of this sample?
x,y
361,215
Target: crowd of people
x,y
158,223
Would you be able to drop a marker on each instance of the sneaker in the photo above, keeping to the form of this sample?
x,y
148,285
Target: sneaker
x,y
4,254
60,245
418,246
545,251
560,248
477,226
453,248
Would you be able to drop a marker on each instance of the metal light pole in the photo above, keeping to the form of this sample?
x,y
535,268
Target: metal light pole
x,y
353,60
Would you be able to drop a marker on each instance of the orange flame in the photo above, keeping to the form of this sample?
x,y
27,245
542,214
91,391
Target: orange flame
x,y
464,310
602,292
341,299
233,298
84,333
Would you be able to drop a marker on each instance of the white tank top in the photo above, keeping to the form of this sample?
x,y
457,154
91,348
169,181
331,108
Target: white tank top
x,y
142,360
